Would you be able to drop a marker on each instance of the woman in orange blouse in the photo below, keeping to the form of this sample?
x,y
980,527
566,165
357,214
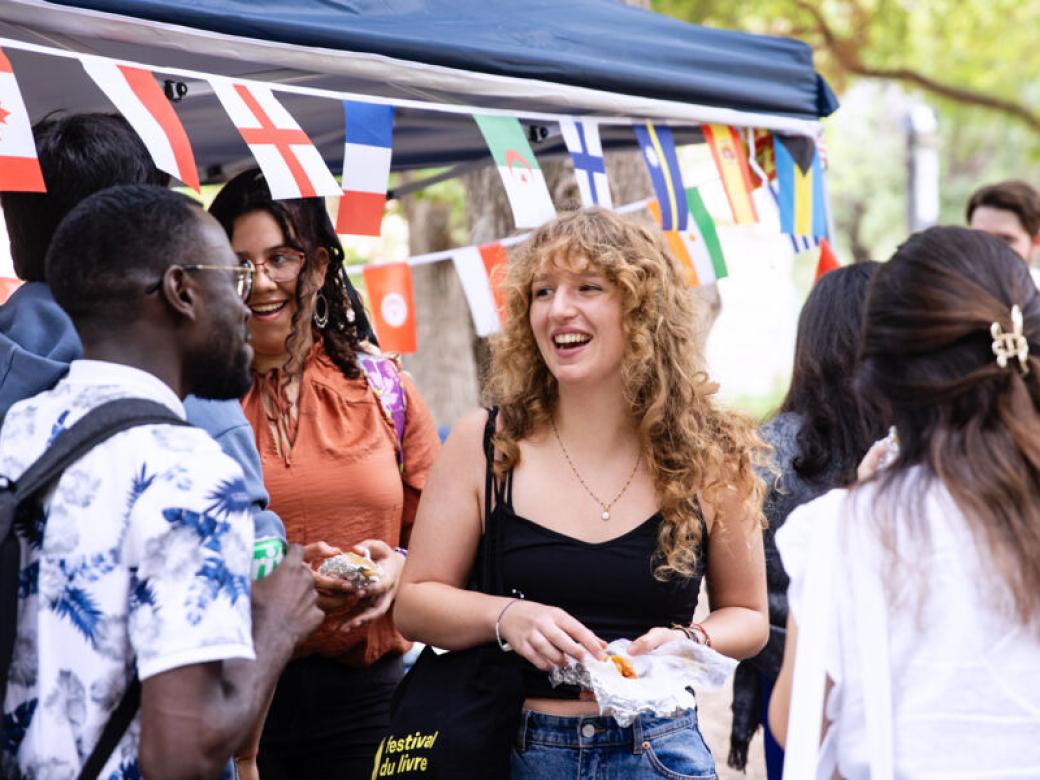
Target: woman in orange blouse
x,y
344,467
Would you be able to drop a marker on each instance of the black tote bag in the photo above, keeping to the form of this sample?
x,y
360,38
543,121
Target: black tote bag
x,y
455,715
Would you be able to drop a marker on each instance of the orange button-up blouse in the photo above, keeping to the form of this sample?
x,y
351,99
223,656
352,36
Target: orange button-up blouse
x,y
340,482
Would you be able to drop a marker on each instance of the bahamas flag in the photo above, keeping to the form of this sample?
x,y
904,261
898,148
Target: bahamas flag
x,y
799,178
663,167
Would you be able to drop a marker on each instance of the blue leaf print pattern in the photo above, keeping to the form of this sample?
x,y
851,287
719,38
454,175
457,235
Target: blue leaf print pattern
x,y
230,497
213,574
77,605
30,523
141,593
216,579
29,580
58,429
16,724
128,770
92,568
140,484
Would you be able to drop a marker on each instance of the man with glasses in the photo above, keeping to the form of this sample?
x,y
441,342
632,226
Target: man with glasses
x,y
141,556
81,154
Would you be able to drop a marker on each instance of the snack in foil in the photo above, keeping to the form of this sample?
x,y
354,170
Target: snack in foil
x,y
624,666
360,570
663,682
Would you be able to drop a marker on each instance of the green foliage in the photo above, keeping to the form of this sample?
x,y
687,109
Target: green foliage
x,y
953,54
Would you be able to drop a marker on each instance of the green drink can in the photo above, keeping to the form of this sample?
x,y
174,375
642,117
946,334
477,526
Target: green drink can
x,y
268,552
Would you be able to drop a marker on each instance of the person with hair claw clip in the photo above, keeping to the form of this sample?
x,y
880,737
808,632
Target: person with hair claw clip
x,y
914,625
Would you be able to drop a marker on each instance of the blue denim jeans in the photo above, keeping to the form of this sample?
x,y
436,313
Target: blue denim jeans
x,y
591,747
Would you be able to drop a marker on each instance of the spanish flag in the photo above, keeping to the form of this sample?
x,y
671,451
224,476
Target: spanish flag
x,y
799,177
731,161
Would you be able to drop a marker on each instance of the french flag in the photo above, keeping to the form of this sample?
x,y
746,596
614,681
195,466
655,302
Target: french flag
x,y
366,167
137,95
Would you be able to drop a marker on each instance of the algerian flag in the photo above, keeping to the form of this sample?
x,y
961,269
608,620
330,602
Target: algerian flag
x,y
523,179
707,257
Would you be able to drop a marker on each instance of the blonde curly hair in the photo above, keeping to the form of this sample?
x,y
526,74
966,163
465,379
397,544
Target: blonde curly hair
x,y
695,451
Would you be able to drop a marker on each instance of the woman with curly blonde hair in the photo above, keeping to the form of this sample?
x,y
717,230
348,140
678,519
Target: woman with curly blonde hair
x,y
617,484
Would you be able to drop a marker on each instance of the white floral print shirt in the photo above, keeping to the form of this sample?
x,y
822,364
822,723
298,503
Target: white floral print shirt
x,y
140,558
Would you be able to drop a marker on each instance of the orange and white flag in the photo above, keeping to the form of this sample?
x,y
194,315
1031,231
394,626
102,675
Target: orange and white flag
x,y
392,304
480,269
139,98
19,166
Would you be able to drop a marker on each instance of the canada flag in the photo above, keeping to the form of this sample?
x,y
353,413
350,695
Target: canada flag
x,y
19,167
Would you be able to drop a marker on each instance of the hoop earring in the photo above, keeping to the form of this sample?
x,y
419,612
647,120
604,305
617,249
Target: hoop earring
x,y
321,311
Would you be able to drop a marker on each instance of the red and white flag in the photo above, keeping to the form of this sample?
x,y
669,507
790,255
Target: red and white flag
x,y
19,166
480,269
140,99
392,304
290,162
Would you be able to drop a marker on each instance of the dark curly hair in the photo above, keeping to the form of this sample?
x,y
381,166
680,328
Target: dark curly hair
x,y
835,429
306,226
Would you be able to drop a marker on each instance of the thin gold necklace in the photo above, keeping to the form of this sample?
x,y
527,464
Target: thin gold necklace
x,y
605,504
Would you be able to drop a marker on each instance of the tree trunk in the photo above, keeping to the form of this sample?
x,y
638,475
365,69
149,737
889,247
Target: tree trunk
x,y
443,368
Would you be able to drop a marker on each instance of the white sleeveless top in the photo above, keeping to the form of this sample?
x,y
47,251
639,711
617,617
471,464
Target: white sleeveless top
x,y
964,674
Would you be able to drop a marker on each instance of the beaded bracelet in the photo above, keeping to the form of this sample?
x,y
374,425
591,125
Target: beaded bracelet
x,y
695,632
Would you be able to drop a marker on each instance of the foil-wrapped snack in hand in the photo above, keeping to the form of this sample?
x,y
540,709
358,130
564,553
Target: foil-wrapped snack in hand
x,y
359,570
660,683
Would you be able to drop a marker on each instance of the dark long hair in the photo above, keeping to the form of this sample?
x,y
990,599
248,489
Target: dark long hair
x,y
306,226
835,429
928,360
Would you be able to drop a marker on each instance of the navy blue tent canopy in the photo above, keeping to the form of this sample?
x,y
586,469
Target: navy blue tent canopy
x,y
585,57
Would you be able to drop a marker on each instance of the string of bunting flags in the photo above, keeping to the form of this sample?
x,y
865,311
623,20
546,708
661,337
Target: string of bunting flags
x,y
789,166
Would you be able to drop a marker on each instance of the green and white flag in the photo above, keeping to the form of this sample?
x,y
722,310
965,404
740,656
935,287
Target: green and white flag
x,y
706,250
523,179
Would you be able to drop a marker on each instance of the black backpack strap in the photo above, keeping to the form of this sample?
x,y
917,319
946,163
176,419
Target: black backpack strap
x,y
118,722
94,427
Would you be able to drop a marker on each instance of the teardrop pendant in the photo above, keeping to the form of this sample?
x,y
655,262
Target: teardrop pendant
x,y
605,515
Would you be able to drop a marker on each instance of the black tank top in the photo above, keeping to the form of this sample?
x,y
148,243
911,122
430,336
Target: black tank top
x,y
609,586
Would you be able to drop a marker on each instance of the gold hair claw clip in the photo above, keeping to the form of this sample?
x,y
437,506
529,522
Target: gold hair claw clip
x,y
1011,345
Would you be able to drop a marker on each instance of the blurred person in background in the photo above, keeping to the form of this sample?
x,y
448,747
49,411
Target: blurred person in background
x,y
1009,210
819,435
346,442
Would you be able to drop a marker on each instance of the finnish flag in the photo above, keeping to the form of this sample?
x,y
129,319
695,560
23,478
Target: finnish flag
x,y
582,139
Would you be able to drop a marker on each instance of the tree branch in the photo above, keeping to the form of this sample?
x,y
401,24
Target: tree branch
x,y
845,52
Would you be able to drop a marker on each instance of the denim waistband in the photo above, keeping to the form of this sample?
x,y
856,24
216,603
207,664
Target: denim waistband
x,y
589,731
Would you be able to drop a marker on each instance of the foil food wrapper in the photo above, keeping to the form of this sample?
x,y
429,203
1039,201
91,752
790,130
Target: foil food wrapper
x,y
664,683
359,570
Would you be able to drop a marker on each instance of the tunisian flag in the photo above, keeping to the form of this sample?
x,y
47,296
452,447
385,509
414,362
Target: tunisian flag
x,y
19,167
291,164
137,95
393,306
